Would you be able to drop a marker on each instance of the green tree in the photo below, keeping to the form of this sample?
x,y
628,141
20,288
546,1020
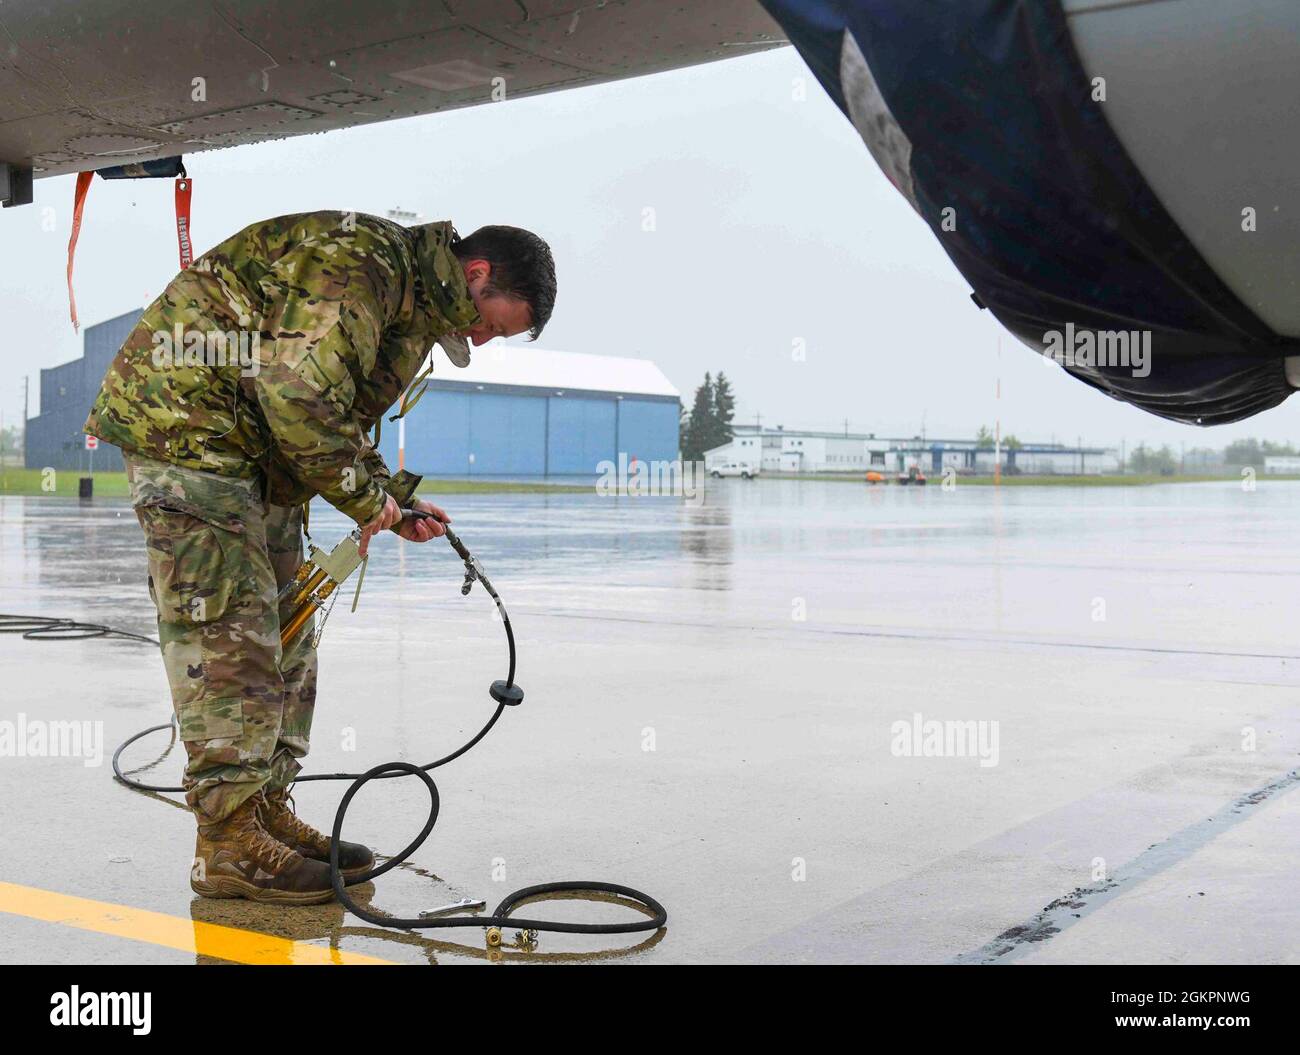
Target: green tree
x,y
11,443
1146,460
724,409
698,431
984,439
1201,459
1243,452
1010,443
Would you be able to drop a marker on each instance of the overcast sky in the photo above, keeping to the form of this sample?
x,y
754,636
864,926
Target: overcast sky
x,y
772,225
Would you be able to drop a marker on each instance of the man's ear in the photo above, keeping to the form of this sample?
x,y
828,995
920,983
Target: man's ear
x,y
477,269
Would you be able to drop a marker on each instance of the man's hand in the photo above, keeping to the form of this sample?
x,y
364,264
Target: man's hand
x,y
392,514
422,529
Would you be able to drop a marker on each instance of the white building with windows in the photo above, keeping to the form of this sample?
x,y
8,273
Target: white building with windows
x,y
781,450
1281,463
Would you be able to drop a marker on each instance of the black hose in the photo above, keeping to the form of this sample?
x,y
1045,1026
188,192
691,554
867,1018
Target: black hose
x,y
43,628
501,915
50,628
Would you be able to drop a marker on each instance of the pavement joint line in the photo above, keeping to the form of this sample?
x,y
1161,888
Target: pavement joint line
x,y
171,932
915,635
1063,913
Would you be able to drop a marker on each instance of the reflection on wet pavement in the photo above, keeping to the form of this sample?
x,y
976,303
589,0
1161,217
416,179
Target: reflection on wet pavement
x,y
711,693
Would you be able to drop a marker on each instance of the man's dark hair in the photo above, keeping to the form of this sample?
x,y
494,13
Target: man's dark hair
x,y
522,266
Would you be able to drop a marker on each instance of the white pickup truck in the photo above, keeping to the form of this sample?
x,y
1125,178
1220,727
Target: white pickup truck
x,y
742,469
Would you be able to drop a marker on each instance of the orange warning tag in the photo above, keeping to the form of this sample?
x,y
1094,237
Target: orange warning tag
x,y
184,186
78,204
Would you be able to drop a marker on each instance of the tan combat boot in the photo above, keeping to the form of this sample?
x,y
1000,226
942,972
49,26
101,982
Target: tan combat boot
x,y
283,822
237,857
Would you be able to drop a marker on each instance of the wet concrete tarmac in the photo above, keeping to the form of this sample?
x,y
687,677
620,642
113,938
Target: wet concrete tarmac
x,y
720,699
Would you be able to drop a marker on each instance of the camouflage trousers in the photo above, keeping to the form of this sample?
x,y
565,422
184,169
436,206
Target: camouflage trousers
x,y
218,555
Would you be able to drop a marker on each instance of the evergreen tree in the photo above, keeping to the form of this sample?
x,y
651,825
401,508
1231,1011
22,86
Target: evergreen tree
x,y
1144,459
724,409
1253,452
1244,452
708,425
697,437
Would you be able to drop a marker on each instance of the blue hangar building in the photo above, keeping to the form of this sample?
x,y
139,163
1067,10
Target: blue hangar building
x,y
513,412
522,411
54,438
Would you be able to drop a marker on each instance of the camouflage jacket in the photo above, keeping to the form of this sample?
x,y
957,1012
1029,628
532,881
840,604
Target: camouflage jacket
x,y
274,355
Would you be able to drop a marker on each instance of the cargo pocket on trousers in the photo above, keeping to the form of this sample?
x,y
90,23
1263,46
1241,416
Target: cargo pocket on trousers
x,y
220,719
195,565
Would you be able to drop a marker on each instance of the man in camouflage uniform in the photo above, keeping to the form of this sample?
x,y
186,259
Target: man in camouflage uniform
x,y
247,388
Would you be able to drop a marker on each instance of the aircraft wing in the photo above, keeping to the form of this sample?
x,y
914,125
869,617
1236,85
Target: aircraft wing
x,y
92,85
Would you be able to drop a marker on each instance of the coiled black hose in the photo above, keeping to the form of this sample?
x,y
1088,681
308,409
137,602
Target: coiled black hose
x,y
506,693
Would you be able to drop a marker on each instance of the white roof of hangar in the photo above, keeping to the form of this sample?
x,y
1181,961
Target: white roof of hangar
x,y
524,365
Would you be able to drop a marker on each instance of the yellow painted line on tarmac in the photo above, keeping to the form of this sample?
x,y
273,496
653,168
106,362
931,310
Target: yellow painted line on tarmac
x,y
170,932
